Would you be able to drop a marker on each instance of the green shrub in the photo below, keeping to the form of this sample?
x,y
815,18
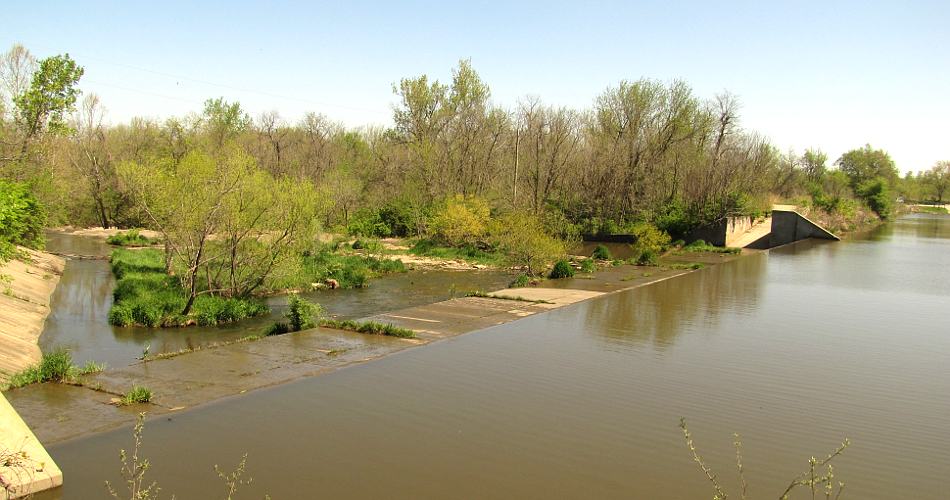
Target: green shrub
x,y
588,266
647,258
601,252
461,221
277,328
136,395
877,195
301,313
702,246
562,269
524,242
648,240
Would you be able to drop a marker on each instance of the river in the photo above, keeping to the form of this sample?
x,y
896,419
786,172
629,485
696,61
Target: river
x,y
795,349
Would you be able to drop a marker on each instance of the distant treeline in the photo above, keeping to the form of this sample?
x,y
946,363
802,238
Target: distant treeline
x,y
645,151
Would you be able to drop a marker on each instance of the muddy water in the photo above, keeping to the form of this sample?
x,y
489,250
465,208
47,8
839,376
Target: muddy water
x,y
80,306
795,349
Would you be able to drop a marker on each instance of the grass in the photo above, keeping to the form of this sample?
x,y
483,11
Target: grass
x,y
56,366
506,297
348,270
131,238
687,265
370,327
427,248
702,246
146,296
588,266
136,395
521,281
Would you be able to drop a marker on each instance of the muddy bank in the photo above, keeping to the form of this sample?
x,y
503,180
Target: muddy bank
x,y
58,413
24,305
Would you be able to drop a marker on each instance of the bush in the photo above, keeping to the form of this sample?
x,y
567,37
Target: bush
x,y
367,222
523,241
647,258
601,252
301,313
461,221
649,239
21,219
561,269
877,195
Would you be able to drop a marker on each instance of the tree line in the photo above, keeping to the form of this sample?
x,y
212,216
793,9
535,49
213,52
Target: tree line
x,y
645,151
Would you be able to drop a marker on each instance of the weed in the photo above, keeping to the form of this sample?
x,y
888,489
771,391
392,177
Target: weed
x,y
521,281
137,394
56,366
506,297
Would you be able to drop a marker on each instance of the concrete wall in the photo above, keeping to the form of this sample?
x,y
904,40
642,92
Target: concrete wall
x,y
34,470
722,233
789,226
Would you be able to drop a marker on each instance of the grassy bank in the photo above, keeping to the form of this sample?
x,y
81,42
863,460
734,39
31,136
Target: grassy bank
x,y
927,209
346,269
145,295
467,253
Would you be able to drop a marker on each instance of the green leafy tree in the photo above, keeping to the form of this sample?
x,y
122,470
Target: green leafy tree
x,y
21,218
937,180
864,164
524,242
51,96
461,221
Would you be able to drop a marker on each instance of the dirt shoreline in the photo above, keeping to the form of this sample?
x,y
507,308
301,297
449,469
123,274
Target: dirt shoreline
x,y
27,287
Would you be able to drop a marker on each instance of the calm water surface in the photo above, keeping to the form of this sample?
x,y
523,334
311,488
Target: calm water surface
x,y
794,349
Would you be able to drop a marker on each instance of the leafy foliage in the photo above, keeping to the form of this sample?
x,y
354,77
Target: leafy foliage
x,y
522,239
21,218
562,269
461,221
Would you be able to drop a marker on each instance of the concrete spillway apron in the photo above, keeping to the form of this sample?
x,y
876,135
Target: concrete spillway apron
x,y
25,466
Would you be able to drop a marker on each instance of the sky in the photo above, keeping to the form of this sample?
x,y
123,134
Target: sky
x,y
833,75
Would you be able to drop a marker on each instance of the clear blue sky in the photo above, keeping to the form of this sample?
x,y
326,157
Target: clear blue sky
x,y
827,74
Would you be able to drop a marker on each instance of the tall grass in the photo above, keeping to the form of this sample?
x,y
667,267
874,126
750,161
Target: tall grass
x,y
348,270
55,366
131,238
370,327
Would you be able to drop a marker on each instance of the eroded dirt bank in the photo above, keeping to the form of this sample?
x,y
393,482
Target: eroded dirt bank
x,y
26,287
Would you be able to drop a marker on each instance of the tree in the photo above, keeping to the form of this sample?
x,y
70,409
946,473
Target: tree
x,y
865,164
223,120
937,180
51,95
814,164
16,70
524,242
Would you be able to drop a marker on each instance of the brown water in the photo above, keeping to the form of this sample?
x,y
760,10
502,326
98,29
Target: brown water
x,y
80,306
795,349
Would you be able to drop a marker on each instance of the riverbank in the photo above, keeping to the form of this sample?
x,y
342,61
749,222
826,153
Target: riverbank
x,y
27,286
60,412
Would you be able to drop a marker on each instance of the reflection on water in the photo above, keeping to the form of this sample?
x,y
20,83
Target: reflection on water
x,y
80,306
657,313
795,349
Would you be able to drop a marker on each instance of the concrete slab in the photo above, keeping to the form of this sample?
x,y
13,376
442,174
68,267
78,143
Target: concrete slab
x,y
26,467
